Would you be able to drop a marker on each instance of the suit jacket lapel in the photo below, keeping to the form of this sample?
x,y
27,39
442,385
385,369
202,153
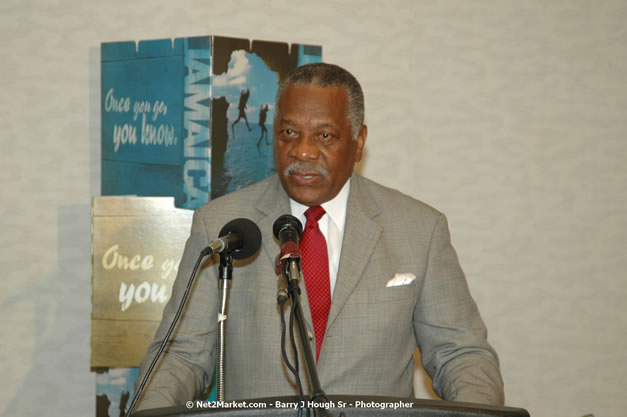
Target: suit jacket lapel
x,y
274,203
361,233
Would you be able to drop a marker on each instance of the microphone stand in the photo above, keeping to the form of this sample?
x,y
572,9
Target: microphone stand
x,y
318,396
225,275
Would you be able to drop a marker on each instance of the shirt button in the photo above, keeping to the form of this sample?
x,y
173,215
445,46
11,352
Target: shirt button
x,y
310,335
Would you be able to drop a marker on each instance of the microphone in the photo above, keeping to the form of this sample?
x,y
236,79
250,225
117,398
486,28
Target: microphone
x,y
287,229
241,237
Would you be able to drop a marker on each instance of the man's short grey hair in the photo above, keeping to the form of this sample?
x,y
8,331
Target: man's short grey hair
x,y
328,75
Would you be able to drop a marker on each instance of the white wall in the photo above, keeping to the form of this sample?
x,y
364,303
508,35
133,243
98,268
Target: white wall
x,y
509,116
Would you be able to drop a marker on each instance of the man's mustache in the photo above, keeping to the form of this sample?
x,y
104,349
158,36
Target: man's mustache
x,y
305,167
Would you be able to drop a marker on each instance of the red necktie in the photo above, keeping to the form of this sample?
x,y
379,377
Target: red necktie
x,y
315,263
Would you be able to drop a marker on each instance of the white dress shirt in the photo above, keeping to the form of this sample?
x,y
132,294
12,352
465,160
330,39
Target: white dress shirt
x,y
331,225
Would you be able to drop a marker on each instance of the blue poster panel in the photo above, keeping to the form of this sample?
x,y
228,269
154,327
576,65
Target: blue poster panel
x,y
190,118
155,119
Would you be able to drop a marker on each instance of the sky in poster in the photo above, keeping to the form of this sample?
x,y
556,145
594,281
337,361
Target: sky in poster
x,y
247,71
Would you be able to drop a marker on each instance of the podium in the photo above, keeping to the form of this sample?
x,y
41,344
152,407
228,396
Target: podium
x,y
338,406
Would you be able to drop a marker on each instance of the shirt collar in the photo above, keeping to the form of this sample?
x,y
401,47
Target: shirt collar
x,y
335,208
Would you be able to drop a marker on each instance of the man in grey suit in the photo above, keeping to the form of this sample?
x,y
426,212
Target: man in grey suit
x,y
395,283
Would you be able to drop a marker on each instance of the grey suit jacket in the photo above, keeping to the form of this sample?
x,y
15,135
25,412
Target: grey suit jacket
x,y
372,330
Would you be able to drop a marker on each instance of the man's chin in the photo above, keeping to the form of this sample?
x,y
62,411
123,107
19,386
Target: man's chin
x,y
307,199
304,194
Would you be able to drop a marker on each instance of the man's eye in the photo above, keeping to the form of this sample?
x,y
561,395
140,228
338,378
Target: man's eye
x,y
288,131
326,136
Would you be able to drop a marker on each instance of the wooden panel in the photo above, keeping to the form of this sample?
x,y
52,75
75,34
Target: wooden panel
x,y
122,344
137,243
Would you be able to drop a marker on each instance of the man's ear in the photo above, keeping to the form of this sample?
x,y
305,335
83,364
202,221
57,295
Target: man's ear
x,y
361,142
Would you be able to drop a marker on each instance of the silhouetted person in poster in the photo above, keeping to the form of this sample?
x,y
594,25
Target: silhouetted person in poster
x,y
243,99
102,405
262,123
123,401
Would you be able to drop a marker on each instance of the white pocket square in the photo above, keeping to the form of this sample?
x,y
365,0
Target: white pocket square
x,y
401,279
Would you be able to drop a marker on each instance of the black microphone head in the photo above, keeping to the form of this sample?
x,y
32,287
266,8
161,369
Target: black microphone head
x,y
249,234
287,221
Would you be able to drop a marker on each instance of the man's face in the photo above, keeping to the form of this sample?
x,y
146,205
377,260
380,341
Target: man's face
x,y
314,152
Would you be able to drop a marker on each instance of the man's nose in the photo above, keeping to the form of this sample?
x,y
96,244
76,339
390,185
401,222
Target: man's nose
x,y
305,148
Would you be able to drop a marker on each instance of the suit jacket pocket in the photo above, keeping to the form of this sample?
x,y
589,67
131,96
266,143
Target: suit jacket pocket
x,y
383,295
391,294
